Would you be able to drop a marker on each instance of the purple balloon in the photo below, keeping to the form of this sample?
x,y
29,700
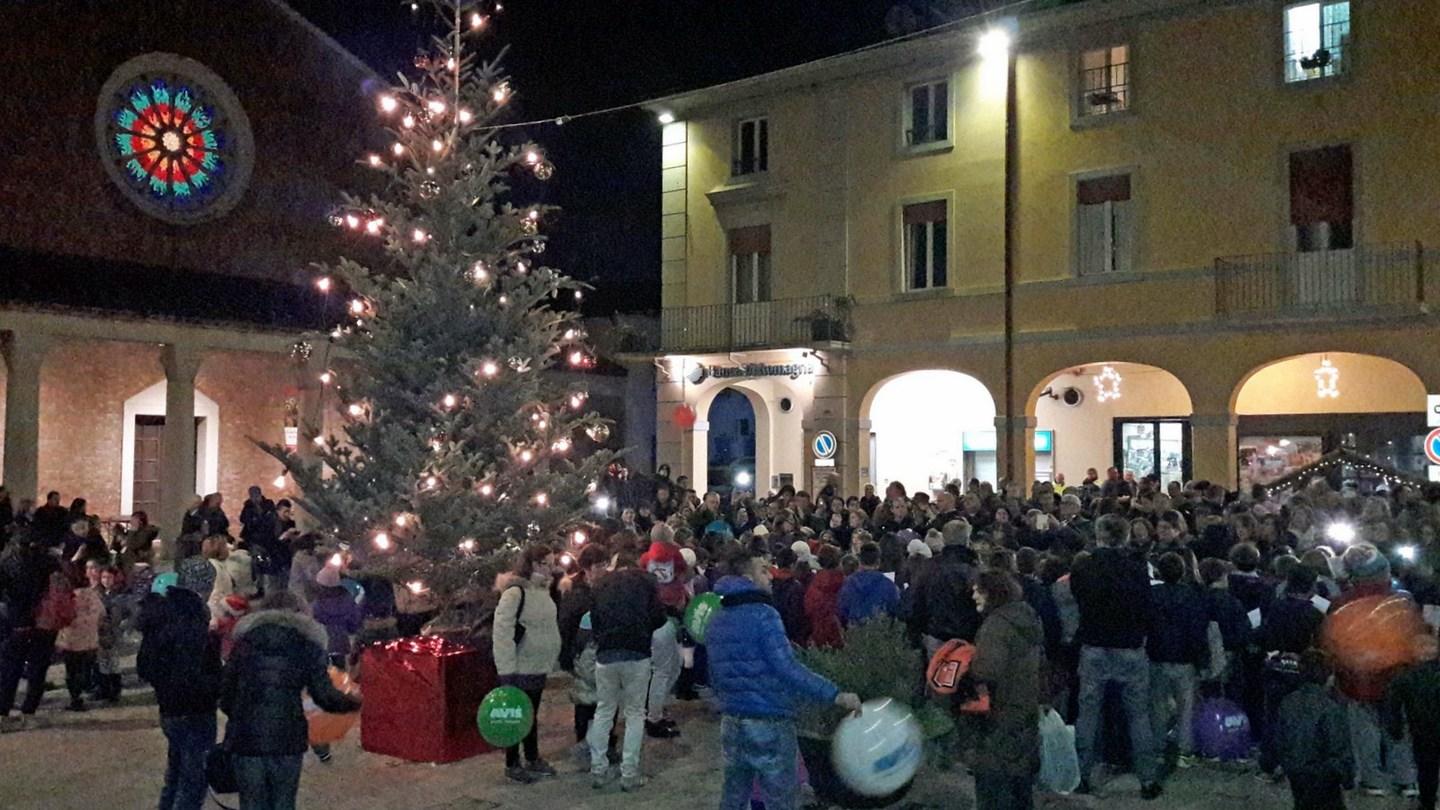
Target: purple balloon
x,y
1222,730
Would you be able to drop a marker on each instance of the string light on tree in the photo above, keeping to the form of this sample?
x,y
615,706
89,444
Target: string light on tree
x,y
388,103
323,283
382,541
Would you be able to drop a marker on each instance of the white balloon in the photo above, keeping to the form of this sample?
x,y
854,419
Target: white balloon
x,y
878,751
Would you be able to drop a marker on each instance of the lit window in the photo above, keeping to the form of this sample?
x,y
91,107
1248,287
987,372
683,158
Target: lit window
x,y
1317,39
926,245
752,147
1104,225
927,113
1105,81
750,264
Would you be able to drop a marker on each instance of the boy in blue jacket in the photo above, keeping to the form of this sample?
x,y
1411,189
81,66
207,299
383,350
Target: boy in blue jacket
x,y
758,683
867,593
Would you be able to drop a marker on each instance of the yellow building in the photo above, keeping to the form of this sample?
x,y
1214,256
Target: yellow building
x,y
1214,215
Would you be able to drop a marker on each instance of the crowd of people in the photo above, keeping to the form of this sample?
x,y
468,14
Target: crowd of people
x,y
1119,603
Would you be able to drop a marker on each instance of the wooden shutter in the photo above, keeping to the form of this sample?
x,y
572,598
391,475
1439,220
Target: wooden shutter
x,y
746,241
1321,186
924,212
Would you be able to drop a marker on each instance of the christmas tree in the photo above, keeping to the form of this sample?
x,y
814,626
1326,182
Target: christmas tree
x,y
456,448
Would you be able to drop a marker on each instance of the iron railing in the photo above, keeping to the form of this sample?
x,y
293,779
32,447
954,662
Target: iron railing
x,y
763,324
1365,276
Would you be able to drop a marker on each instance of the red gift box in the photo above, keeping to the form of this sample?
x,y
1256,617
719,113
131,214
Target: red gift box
x,y
421,698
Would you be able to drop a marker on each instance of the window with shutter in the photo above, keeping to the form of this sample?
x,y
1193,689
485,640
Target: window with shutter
x,y
926,245
1322,198
752,147
750,264
927,113
1104,225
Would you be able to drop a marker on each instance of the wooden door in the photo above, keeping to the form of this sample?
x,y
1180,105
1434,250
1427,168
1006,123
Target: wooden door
x,y
147,464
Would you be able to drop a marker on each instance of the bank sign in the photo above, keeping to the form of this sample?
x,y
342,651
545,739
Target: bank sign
x,y
700,372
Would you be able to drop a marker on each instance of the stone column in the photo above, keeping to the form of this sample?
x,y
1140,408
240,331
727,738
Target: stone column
x,y
1214,449
24,355
1017,431
177,441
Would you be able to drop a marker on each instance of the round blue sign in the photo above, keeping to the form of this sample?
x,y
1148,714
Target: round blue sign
x,y
1432,446
824,444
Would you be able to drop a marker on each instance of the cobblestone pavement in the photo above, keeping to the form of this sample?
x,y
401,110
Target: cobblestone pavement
x,y
114,758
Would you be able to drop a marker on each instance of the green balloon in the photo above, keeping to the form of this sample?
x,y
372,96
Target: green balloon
x,y
505,717
702,610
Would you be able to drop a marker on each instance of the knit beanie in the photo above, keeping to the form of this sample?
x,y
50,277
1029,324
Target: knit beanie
x,y
1364,561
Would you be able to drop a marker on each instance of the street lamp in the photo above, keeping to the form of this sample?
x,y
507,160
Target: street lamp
x,y
994,44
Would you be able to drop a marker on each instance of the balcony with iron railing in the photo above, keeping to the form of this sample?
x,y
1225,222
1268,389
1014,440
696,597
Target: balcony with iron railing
x,y
1359,279
760,325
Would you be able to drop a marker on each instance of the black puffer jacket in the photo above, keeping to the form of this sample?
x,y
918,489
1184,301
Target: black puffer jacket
x,y
278,654
25,571
944,604
625,612
178,655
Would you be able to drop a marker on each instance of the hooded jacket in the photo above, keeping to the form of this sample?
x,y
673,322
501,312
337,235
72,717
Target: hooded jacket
x,y
867,594
278,654
822,608
789,598
753,669
1007,660
664,562
1112,590
624,613
178,656
25,571
538,652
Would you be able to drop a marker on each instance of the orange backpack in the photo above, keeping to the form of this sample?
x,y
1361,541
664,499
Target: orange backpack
x,y
947,673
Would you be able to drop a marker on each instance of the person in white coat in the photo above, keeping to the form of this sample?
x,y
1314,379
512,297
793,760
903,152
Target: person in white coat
x,y
526,646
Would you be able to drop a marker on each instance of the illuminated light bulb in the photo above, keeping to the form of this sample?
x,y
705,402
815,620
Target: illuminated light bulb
x,y
437,145
465,116
336,560
374,159
419,236
319,441
398,148
504,299
477,21
576,358
373,226
352,221
499,94
382,541
415,586
579,538
542,424
487,490
467,545
994,44
579,295
357,307
533,214
566,560
541,499
527,456
489,368
402,519
279,481
449,400
561,446
571,334
577,400
520,268
591,487
1341,533
451,64
1407,553
355,409
532,157
479,273
666,117
388,104
602,503
408,121
436,105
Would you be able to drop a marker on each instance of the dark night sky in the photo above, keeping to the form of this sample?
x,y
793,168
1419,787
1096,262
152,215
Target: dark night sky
x,y
569,56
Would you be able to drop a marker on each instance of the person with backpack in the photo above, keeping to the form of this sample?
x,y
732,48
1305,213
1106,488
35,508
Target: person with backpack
x,y
526,646
34,615
180,660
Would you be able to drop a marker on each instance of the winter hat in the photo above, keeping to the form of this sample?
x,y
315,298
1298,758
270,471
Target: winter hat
x,y
1364,561
689,555
918,548
718,527
235,605
760,531
328,577
802,551
935,540
906,535
197,575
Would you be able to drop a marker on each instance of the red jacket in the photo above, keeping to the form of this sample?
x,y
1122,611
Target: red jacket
x,y
667,565
822,601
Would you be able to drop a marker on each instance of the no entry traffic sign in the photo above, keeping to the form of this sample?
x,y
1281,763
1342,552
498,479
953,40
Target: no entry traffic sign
x,y
1432,446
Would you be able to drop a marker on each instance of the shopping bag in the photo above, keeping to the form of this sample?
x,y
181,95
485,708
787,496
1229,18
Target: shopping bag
x,y
1059,764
